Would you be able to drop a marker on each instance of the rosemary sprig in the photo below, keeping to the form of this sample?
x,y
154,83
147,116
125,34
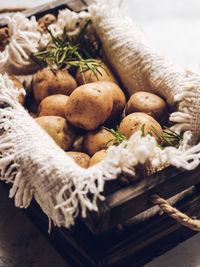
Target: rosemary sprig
x,y
142,130
118,137
170,137
72,50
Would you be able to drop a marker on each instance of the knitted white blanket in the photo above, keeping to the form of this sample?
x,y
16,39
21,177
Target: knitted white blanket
x,y
38,168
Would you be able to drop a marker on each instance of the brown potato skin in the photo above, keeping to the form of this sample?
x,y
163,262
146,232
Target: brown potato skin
x,y
46,83
96,140
89,106
134,121
4,38
82,159
98,157
119,101
148,103
17,85
107,75
45,21
53,105
58,128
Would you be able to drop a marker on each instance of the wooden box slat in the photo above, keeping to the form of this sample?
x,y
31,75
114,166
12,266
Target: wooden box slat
x,y
131,200
51,7
133,245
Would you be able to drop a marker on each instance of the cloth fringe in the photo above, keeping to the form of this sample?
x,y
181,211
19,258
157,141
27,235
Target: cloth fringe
x,y
141,68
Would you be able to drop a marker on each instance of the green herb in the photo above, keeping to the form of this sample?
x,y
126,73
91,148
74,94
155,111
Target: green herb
x,y
170,137
142,129
150,133
76,50
118,137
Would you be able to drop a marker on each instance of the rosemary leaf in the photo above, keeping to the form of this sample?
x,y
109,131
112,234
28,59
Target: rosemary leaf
x,y
119,138
142,129
170,137
77,51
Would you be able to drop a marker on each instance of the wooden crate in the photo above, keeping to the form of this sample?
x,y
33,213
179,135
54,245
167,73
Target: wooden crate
x,y
115,236
107,238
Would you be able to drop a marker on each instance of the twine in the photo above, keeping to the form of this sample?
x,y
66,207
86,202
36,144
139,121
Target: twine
x,y
177,215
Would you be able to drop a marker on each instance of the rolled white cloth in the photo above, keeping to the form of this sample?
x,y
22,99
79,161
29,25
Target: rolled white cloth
x,y
141,68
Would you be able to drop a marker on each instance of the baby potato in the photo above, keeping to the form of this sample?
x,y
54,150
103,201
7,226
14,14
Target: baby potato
x,y
17,85
98,157
134,122
4,38
53,105
82,159
104,75
45,21
119,101
89,106
96,140
58,128
46,82
148,103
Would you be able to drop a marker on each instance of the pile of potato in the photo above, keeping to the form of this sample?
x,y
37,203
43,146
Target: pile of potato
x,y
73,113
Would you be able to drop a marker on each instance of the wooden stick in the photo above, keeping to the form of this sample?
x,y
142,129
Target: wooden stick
x,y
14,9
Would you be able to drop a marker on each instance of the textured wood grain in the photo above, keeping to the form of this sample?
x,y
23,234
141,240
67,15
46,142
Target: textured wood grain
x,y
51,7
14,9
131,200
134,245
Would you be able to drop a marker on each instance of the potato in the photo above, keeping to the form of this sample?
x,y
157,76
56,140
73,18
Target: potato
x,y
58,128
148,103
17,85
98,157
45,21
89,106
82,159
46,82
4,38
119,101
134,122
96,140
106,75
53,105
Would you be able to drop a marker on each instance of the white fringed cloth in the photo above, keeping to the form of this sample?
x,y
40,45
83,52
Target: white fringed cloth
x,y
37,167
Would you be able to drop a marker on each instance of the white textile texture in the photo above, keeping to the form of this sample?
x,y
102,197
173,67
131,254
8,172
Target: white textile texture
x,y
38,168
141,68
